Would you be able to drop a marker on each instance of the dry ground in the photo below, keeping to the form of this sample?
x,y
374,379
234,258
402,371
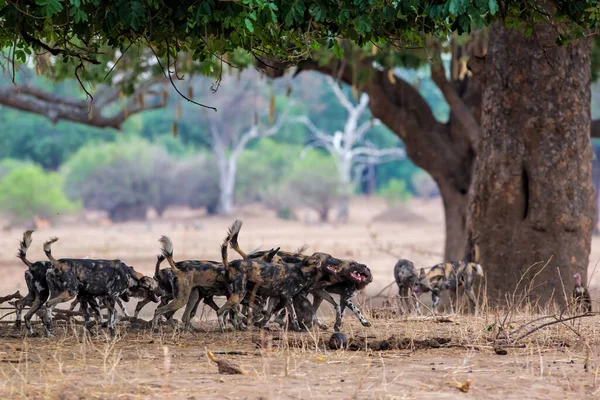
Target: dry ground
x,y
282,365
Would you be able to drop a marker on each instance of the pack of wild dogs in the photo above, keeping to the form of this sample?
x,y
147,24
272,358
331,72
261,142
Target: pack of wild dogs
x,y
258,287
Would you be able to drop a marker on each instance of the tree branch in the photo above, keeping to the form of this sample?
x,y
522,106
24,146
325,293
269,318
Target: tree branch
x,y
37,101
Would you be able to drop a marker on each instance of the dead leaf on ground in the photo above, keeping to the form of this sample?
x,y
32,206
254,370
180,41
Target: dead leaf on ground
x,y
464,386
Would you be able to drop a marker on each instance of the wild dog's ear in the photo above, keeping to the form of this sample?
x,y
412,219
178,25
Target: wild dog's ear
x,y
271,254
422,273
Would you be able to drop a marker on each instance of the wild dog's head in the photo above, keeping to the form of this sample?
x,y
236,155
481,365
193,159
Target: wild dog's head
x,y
352,271
423,283
144,286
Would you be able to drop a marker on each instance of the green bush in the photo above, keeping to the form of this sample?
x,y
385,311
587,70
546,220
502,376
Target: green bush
x,y
314,183
395,192
29,190
263,167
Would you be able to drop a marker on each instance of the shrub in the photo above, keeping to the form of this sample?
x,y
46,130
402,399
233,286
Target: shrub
x,y
314,183
128,177
29,190
395,192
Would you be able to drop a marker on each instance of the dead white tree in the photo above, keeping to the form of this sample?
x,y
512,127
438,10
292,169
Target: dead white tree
x,y
349,148
227,149
243,104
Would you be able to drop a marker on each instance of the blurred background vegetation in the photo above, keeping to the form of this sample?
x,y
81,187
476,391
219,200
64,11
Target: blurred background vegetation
x,y
163,157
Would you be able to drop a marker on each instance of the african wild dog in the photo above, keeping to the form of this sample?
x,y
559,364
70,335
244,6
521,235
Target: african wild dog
x,y
35,278
202,278
280,281
448,276
105,279
345,278
406,277
583,301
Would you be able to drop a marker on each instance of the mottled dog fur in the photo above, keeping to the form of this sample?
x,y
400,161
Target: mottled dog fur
x,y
37,286
406,277
344,277
203,279
105,279
449,276
279,281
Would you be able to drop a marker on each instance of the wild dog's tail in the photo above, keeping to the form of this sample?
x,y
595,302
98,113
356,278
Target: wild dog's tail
x,y
24,246
478,269
167,251
159,259
302,249
232,234
226,242
48,250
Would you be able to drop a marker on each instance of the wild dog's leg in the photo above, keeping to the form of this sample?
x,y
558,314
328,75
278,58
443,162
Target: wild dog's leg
x,y
111,305
471,296
289,305
123,306
183,294
37,303
22,303
74,304
62,297
84,307
402,299
435,298
319,296
191,305
141,304
356,311
231,302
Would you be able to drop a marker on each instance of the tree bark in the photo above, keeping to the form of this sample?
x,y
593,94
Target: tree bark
x,y
532,199
444,150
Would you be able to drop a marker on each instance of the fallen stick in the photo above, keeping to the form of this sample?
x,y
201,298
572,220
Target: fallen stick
x,y
15,295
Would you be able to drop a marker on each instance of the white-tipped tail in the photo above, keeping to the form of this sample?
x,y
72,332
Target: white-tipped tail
x,y
166,246
479,269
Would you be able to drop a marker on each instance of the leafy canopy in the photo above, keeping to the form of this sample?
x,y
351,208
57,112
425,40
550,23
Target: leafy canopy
x,y
79,30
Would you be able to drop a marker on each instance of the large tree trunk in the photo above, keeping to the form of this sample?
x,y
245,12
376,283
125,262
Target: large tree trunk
x,y
532,199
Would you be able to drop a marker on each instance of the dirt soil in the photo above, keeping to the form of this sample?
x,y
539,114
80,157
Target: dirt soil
x,y
429,358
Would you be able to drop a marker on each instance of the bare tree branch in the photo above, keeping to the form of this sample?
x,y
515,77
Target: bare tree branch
x,y
34,100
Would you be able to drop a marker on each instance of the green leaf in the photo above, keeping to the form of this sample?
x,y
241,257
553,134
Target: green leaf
x,y
132,14
493,6
249,25
337,50
50,7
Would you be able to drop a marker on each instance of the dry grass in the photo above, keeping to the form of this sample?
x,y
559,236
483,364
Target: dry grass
x,y
430,358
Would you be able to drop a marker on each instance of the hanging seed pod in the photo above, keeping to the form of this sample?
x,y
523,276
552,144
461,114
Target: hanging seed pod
x,y
354,92
126,111
90,112
374,50
289,91
178,112
121,95
391,76
255,118
164,98
190,92
190,59
141,101
272,110
174,129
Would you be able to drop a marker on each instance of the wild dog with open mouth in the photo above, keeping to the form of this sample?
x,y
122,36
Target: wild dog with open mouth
x,y
345,279
279,281
351,278
104,279
37,286
448,276
406,277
